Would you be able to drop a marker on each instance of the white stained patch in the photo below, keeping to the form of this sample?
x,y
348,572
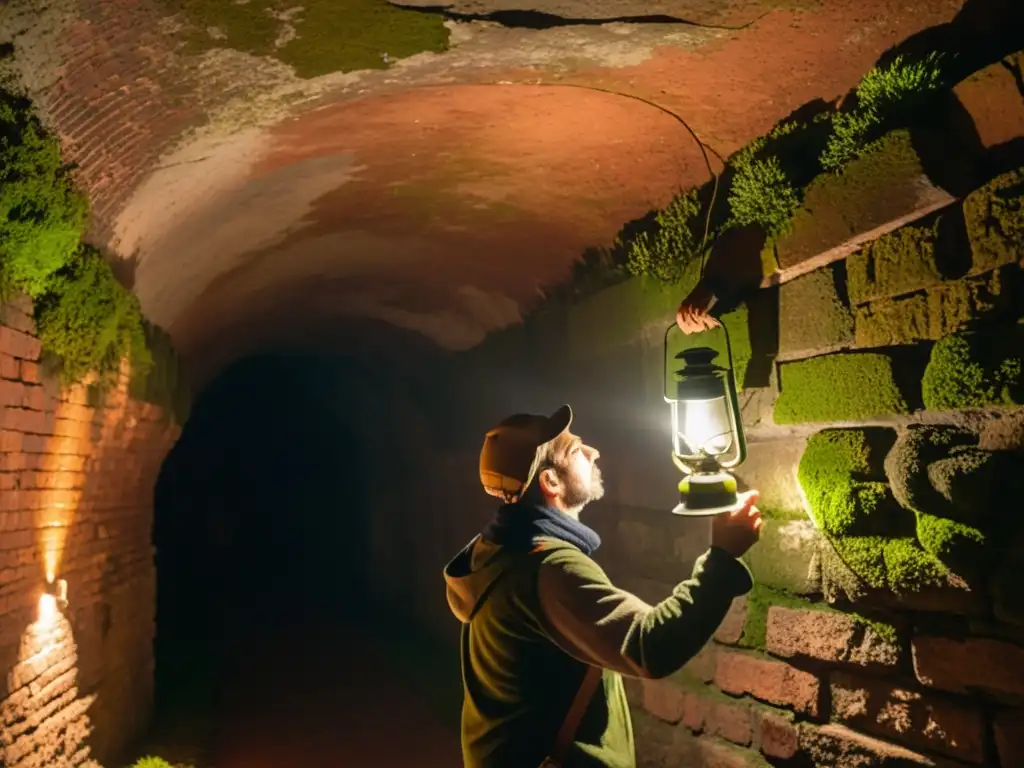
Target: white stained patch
x,y
196,219
457,329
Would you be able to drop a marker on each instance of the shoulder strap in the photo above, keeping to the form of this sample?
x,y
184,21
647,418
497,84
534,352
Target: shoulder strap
x,y
572,720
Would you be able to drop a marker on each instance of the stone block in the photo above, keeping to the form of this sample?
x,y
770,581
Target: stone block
x,y
975,664
779,736
875,193
812,316
836,746
1009,733
731,628
900,262
938,312
772,681
828,636
992,98
786,556
770,468
994,215
917,719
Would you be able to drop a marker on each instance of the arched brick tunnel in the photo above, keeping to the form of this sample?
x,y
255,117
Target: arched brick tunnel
x,y
321,239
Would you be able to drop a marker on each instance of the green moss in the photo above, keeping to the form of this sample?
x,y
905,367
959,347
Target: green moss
x,y
843,387
164,382
812,316
954,489
86,320
906,465
676,244
952,542
837,473
973,370
884,96
994,216
89,320
761,192
840,476
328,36
896,263
42,216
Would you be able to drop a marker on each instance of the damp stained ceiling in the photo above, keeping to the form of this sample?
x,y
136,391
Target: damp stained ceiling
x,y
436,192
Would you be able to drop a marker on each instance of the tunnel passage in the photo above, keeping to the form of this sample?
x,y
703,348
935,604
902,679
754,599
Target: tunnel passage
x,y
262,530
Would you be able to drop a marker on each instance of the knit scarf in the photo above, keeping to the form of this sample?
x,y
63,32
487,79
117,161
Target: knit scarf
x,y
517,525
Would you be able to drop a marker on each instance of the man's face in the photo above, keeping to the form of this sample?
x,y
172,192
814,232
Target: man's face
x,y
580,475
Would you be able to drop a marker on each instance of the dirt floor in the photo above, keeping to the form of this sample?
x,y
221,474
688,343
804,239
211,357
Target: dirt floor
x,y
317,697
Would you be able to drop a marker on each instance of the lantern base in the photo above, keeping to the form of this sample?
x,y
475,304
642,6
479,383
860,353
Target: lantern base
x,y
706,494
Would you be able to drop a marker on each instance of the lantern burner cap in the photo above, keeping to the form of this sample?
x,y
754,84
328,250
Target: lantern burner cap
x,y
700,356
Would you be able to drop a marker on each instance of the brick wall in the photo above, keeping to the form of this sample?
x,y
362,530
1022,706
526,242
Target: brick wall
x,y
76,485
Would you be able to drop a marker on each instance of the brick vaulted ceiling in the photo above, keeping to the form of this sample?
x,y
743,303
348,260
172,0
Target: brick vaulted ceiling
x,y
257,203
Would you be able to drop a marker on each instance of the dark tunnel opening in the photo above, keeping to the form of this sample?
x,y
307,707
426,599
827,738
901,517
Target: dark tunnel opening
x,y
262,532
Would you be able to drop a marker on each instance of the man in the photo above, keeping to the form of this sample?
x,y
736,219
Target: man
x,y
538,612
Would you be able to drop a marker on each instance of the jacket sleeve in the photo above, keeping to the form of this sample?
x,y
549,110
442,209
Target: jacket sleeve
x,y
598,623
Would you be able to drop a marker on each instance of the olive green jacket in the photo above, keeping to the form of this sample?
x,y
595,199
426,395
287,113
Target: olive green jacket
x,y
534,621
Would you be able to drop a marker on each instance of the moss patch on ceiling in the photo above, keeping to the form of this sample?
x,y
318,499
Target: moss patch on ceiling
x,y
316,37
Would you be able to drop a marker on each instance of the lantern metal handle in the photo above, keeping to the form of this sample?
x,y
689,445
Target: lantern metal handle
x,y
734,401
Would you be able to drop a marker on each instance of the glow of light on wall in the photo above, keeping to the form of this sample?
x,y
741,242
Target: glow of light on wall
x,y
44,720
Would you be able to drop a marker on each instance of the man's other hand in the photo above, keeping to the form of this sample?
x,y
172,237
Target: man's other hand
x,y
693,315
738,531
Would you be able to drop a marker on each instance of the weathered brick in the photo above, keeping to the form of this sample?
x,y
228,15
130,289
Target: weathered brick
x,y
827,635
695,711
663,699
773,681
731,628
1009,732
30,373
911,717
836,746
779,736
19,344
978,663
35,397
700,667
10,441
9,368
12,393
731,721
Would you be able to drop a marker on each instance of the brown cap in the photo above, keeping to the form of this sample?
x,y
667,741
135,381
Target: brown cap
x,y
508,459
